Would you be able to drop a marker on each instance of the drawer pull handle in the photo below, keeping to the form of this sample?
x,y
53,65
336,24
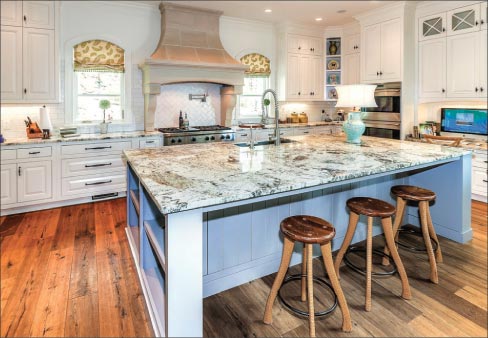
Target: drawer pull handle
x,y
98,148
243,135
97,183
306,132
34,152
97,165
20,172
149,142
485,181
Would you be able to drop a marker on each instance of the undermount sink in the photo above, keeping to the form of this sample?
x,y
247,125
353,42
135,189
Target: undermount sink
x,y
264,143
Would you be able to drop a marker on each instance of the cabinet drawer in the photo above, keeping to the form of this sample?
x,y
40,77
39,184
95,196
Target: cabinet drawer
x,y
34,152
91,165
90,185
302,131
95,148
480,182
150,143
8,154
480,160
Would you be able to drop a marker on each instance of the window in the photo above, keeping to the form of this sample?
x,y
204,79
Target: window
x,y
256,82
98,74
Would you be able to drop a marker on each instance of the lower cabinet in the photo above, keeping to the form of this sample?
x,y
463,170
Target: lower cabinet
x,y
8,182
34,181
479,176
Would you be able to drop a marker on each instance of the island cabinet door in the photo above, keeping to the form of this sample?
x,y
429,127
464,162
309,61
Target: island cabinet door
x,y
229,238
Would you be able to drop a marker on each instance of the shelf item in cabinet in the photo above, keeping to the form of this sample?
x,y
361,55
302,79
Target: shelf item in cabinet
x,y
333,78
134,196
333,63
333,46
331,93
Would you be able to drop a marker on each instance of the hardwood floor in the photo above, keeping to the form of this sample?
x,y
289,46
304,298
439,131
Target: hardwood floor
x,y
68,271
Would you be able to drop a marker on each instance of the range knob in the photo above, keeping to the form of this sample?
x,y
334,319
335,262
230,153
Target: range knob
x,y
212,138
193,139
173,140
222,137
227,137
179,140
207,138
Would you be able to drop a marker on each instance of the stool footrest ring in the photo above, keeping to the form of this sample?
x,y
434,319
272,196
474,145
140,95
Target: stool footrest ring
x,y
411,231
321,281
356,268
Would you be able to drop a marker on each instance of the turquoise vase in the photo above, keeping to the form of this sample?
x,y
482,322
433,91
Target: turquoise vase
x,y
354,127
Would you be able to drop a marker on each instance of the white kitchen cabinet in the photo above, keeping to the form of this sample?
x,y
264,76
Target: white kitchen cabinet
x,y
8,181
381,57
305,45
38,14
463,65
11,13
483,85
38,66
479,179
483,15
352,43
316,73
11,65
432,68
351,69
463,20
432,27
34,181
293,76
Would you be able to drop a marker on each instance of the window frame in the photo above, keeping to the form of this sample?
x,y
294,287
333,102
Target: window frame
x,y
70,85
238,104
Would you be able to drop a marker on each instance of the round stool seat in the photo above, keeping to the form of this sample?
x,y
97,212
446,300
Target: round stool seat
x,y
307,229
413,193
370,207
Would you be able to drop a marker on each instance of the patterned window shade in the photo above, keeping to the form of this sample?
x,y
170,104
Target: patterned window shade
x,y
258,64
98,56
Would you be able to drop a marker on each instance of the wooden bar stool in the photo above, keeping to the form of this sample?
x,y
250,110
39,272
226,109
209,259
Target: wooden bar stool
x,y
372,207
405,193
308,230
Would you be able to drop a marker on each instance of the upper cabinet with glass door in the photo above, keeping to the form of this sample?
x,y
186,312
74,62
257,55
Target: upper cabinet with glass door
x,y
432,26
464,20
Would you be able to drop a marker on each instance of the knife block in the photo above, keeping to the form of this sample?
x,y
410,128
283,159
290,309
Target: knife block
x,y
33,131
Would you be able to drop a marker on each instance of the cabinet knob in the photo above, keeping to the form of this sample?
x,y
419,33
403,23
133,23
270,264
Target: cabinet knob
x,y
20,173
443,90
298,93
481,89
25,90
443,29
476,23
25,18
299,47
482,22
377,73
476,89
381,73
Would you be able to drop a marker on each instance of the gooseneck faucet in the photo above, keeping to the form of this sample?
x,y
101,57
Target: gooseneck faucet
x,y
277,114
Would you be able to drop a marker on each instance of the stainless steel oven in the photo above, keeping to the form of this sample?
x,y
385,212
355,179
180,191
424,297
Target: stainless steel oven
x,y
384,120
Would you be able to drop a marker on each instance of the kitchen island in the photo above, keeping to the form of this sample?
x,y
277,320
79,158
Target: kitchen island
x,y
202,219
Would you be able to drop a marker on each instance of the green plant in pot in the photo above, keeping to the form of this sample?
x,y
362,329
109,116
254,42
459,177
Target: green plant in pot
x,y
104,104
266,103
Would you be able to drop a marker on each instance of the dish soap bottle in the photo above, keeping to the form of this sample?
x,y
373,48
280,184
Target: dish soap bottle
x,y
186,122
180,122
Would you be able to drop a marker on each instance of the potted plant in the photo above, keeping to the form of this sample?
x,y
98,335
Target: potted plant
x,y
104,104
266,103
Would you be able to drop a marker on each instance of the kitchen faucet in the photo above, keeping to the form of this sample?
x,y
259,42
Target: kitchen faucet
x,y
277,114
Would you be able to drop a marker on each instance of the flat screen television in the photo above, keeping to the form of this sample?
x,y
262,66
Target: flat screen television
x,y
464,121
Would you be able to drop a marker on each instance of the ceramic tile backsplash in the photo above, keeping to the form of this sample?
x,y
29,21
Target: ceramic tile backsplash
x,y
175,97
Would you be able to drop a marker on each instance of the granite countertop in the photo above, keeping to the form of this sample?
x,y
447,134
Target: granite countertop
x,y
297,125
82,137
188,176
471,144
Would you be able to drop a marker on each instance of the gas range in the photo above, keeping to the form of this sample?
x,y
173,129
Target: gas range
x,y
196,134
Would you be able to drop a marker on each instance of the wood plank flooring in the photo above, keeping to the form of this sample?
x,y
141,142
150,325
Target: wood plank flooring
x,y
68,272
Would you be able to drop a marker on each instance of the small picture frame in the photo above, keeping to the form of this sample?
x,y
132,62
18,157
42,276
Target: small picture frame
x,y
425,128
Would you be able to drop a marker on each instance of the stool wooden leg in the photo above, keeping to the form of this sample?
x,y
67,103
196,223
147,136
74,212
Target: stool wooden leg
x,y
424,209
351,228
329,267
304,272
438,253
400,210
285,262
387,229
311,310
369,258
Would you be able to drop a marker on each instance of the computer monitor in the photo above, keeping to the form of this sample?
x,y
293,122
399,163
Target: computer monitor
x,y
464,121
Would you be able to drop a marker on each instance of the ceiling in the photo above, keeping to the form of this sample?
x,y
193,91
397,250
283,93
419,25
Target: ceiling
x,y
298,12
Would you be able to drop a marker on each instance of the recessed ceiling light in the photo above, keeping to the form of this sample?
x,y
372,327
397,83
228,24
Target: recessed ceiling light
x,y
340,11
318,19
268,10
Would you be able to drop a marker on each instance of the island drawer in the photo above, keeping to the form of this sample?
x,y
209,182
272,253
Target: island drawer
x,y
303,131
91,165
8,154
34,152
149,143
95,184
95,148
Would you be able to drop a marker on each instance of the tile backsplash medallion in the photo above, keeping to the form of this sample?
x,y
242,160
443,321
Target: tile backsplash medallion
x,y
175,97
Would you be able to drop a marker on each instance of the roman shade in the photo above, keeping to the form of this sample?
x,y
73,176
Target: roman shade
x,y
258,65
98,56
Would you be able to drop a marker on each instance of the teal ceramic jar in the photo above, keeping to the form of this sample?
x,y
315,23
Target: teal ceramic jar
x,y
354,127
